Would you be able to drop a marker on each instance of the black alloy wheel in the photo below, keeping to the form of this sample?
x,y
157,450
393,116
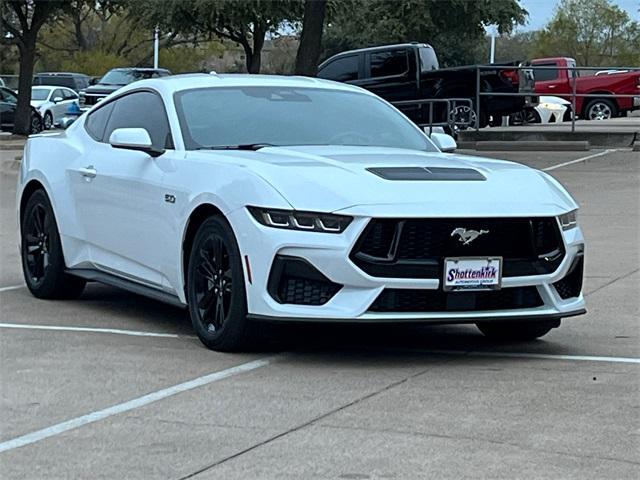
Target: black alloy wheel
x,y
36,123
42,258
215,288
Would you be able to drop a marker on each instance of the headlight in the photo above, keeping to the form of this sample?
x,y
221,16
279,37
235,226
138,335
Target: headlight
x,y
569,220
294,220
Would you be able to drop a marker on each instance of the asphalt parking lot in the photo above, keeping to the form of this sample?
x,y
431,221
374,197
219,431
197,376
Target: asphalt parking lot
x,y
115,385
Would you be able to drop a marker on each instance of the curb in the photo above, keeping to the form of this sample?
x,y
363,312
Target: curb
x,y
599,139
531,146
11,145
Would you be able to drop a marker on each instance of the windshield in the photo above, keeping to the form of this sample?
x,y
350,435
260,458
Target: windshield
x,y
216,117
124,77
39,93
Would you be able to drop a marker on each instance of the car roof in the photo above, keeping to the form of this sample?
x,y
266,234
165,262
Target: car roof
x,y
61,74
376,49
141,69
175,83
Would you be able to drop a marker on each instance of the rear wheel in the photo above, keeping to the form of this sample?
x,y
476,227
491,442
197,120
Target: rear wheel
x,y
215,288
517,330
42,258
600,109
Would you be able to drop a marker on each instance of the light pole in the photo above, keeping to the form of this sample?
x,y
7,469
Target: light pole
x,y
156,32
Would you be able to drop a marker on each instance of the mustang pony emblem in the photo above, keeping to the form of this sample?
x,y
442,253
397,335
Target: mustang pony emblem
x,y
468,236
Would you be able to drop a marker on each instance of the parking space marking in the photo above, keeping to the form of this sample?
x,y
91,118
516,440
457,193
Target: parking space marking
x,y
578,160
548,356
153,397
11,287
115,331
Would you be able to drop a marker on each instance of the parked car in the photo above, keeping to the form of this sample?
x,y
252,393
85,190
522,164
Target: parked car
x,y
549,110
9,81
411,72
8,104
52,103
558,82
116,78
74,81
248,198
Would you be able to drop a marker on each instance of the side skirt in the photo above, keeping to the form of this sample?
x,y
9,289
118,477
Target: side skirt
x,y
125,284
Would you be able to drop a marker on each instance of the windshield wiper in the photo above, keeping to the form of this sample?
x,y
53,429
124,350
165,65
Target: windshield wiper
x,y
242,146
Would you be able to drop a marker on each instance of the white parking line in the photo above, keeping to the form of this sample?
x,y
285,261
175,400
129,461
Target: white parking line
x,y
11,287
98,415
117,331
578,160
543,356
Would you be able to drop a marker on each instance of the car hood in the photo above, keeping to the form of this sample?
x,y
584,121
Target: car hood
x,y
101,89
392,182
38,103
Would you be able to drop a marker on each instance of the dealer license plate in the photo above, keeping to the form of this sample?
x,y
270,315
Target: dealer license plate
x,y
472,273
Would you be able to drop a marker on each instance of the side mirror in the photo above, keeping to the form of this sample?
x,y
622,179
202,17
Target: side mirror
x,y
444,142
134,139
57,99
93,81
66,122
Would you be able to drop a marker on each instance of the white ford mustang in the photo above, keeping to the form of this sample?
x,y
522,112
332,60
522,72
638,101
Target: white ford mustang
x,y
252,198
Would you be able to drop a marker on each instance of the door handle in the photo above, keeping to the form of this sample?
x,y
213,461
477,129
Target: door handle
x,y
88,172
551,86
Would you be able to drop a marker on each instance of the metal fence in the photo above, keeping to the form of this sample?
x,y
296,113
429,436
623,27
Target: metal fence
x,y
573,81
452,104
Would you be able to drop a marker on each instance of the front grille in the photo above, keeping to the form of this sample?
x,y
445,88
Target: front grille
x,y
90,100
295,281
571,285
416,301
416,248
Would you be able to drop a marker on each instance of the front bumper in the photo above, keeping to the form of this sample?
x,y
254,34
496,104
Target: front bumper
x,y
329,254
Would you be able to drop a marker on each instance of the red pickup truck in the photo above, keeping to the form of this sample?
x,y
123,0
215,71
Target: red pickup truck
x,y
557,82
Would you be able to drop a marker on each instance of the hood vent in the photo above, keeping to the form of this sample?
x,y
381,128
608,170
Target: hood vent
x,y
424,173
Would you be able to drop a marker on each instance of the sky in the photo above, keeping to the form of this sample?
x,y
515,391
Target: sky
x,y
541,11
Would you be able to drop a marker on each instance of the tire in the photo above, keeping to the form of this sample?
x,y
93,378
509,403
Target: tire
x,y
47,121
41,251
600,109
516,330
216,292
36,123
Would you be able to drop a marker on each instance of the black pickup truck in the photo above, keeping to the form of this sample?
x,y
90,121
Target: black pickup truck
x,y
406,73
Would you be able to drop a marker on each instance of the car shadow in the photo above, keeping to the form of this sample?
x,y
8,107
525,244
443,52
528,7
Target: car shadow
x,y
315,338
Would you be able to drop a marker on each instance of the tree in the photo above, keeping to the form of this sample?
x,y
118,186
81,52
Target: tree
x,y
246,23
455,28
311,37
594,32
21,22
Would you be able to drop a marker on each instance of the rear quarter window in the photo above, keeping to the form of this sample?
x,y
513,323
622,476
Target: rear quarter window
x,y
97,121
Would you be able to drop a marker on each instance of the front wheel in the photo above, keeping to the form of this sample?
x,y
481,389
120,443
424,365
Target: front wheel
x,y
37,123
42,259
517,330
48,121
215,288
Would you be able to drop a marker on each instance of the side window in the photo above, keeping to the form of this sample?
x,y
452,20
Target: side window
x,y
97,121
386,64
142,110
342,69
69,95
9,97
546,73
